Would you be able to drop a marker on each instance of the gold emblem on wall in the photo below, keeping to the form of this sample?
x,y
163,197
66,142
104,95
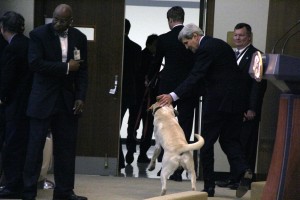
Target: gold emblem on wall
x,y
257,66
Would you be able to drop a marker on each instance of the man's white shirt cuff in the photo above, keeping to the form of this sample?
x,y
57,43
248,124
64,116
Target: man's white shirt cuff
x,y
174,96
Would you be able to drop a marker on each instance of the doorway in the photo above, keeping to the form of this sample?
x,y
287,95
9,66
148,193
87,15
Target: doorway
x,y
146,18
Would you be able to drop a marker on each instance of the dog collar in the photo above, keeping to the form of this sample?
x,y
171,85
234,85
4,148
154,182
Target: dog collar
x,y
156,109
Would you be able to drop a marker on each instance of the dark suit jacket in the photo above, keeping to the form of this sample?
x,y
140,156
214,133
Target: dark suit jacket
x,y
132,62
216,65
178,61
50,78
16,77
255,90
141,72
3,44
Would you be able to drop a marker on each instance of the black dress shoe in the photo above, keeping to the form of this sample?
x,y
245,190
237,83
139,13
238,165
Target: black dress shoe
x,y
71,197
244,183
48,185
226,183
143,159
9,194
210,191
234,186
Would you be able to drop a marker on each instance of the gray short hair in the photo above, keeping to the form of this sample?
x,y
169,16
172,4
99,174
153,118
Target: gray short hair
x,y
188,31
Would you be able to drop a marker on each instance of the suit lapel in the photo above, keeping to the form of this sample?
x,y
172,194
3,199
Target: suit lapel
x,y
203,41
54,43
13,39
246,58
71,44
57,48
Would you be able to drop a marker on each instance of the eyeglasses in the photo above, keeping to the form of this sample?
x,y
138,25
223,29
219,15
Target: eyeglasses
x,y
62,21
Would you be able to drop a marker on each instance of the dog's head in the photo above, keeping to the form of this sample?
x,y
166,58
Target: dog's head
x,y
156,106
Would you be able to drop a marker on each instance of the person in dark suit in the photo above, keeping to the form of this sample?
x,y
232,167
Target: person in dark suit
x,y
145,96
178,63
58,57
15,86
222,106
3,44
131,62
242,39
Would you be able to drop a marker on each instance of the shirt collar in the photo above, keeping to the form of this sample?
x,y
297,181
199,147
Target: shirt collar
x,y
201,39
11,38
177,25
241,50
63,34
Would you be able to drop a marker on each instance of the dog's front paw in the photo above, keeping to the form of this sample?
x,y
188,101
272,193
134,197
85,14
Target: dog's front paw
x,y
163,192
151,167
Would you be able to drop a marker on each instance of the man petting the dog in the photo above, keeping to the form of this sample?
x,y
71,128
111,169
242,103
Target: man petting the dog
x,y
215,64
178,63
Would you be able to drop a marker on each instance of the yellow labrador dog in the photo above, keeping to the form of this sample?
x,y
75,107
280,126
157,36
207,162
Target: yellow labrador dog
x,y
177,152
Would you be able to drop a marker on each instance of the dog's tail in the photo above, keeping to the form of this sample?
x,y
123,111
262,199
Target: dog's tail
x,y
194,146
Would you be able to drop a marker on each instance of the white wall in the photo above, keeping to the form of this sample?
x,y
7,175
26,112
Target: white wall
x,y
146,20
254,12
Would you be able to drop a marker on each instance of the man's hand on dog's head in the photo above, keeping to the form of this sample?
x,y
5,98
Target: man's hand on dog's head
x,y
164,99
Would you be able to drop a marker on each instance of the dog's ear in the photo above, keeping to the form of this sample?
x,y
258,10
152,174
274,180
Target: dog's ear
x,y
150,108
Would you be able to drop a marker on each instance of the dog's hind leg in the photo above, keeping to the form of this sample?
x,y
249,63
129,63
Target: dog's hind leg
x,y
168,168
164,185
165,173
188,164
156,153
191,171
193,179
